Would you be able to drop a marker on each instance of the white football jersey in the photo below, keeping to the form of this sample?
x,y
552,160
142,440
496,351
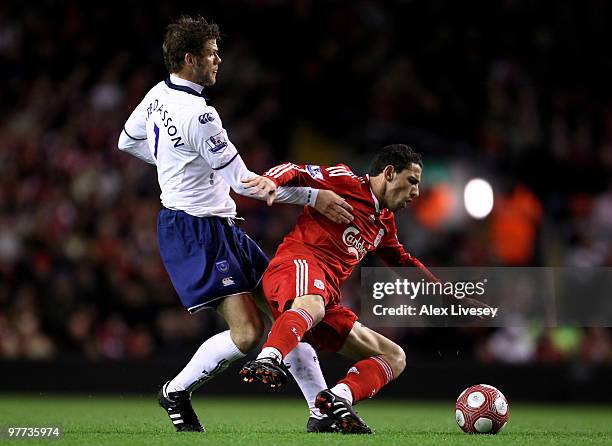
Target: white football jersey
x,y
186,140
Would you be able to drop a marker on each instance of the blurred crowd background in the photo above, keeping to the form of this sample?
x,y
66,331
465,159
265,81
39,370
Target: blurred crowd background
x,y
517,92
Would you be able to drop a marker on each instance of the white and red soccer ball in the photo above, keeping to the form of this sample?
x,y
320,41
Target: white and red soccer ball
x,y
482,409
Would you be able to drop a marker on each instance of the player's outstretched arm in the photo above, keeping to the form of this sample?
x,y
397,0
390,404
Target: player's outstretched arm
x,y
213,144
260,187
327,202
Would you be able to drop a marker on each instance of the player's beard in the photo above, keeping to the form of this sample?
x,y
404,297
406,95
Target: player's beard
x,y
209,78
205,78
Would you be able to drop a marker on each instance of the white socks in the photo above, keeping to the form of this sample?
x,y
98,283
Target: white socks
x,y
343,391
212,358
303,364
217,352
271,353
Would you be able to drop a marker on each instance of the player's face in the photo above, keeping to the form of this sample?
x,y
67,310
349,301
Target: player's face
x,y
207,64
402,187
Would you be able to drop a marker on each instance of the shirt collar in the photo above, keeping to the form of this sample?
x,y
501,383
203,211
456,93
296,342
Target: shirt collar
x,y
178,83
376,204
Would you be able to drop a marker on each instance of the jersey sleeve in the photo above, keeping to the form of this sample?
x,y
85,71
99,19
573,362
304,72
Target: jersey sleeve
x,y
206,134
391,251
133,137
338,178
303,196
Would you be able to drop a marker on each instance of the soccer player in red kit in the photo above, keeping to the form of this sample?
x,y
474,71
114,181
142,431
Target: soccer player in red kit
x,y
302,282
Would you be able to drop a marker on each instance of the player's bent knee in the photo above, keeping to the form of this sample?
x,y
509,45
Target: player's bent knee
x,y
247,336
397,359
401,360
313,304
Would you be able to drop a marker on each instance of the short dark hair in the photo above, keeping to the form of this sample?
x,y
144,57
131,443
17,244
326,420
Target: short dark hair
x,y
186,35
400,156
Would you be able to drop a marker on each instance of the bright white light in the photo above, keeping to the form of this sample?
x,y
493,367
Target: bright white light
x,y
478,198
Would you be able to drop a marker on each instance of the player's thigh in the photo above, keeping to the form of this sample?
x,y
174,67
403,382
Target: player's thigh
x,y
293,282
363,342
243,318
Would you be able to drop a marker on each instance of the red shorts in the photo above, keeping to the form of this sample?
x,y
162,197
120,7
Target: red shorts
x,y
285,280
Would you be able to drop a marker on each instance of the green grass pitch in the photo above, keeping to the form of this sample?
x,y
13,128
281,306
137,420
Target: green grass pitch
x,y
107,420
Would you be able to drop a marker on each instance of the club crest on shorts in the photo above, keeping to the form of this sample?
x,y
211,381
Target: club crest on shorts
x,y
318,283
222,266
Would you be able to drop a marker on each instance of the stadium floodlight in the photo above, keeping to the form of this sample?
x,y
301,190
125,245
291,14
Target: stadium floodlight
x,y
478,198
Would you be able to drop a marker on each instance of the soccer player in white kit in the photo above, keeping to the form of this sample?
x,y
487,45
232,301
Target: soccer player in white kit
x,y
210,261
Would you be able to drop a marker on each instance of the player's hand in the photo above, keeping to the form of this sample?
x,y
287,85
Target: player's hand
x,y
262,188
333,206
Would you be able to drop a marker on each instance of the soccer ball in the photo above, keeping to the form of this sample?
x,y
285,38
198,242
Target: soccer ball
x,y
482,409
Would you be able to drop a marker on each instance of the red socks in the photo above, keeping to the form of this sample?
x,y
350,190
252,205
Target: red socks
x,y
288,330
367,377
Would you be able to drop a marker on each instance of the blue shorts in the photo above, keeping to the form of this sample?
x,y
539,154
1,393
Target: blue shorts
x,y
207,258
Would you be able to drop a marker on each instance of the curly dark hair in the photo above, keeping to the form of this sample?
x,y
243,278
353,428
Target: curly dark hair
x,y
186,35
400,156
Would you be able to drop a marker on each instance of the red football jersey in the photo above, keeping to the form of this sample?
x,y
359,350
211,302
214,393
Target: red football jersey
x,y
339,247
